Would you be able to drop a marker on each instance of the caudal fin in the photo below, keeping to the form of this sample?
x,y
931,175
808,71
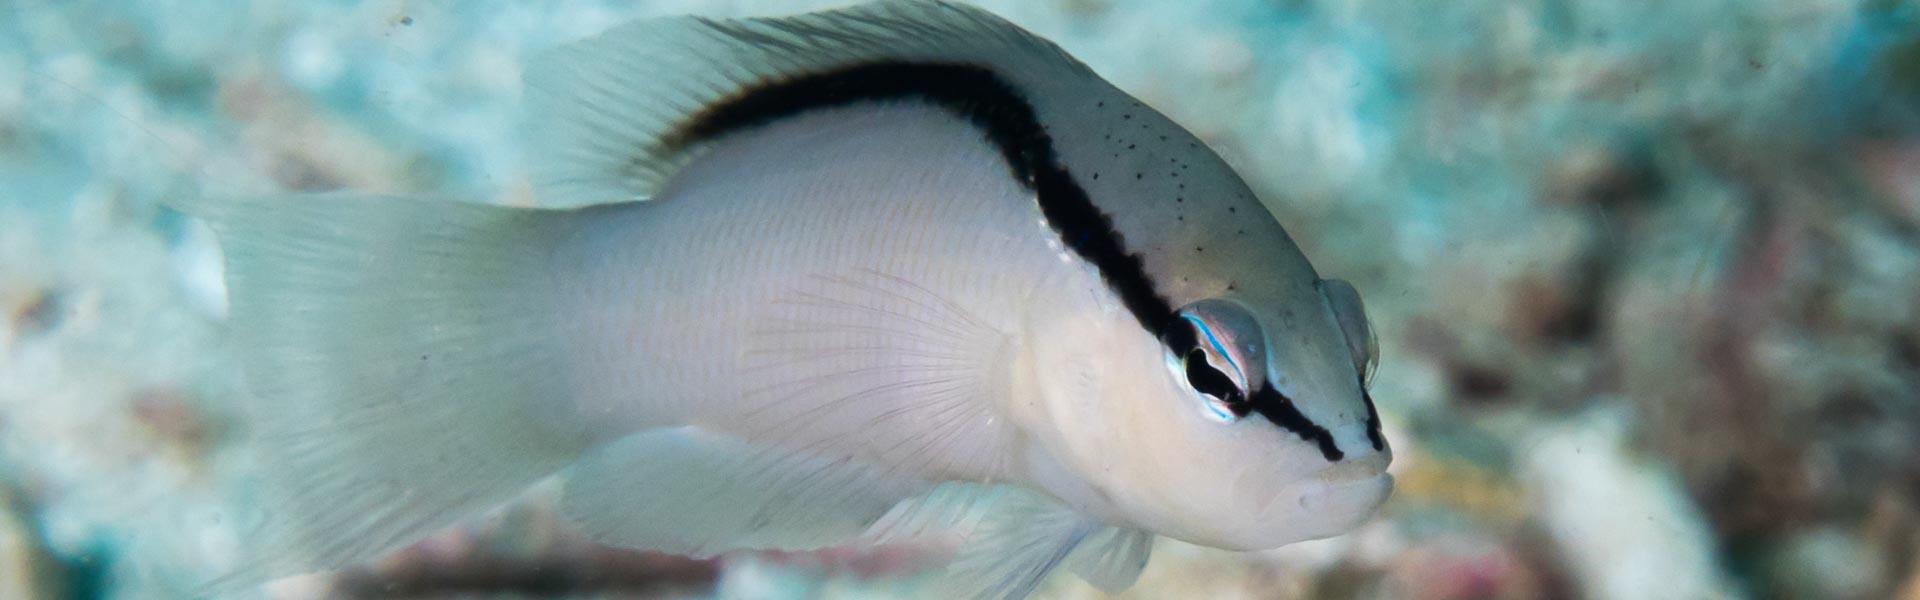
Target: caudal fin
x,y
400,354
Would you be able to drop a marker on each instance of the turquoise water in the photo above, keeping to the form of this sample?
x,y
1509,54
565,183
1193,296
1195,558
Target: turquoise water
x,y
1647,279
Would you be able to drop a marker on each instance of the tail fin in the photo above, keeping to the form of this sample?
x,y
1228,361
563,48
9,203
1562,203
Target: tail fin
x,y
401,353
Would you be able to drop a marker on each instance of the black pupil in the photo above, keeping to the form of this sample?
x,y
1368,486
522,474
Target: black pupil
x,y
1210,381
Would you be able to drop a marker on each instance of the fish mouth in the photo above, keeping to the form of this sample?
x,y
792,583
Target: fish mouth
x,y
1292,507
1342,495
1332,501
1346,503
1354,471
1276,487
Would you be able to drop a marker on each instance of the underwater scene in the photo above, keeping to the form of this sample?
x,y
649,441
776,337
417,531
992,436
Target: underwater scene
x,y
1482,299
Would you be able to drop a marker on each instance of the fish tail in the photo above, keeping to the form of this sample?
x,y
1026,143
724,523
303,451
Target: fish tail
x,y
403,363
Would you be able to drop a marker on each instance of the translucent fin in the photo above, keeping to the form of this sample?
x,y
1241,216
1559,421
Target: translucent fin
x,y
1015,547
875,368
606,109
947,507
399,354
1112,558
689,492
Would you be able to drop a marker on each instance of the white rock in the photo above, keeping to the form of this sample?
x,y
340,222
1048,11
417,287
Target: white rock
x,y
1625,526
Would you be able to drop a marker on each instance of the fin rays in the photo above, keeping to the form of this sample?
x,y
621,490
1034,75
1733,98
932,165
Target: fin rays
x,y
877,356
609,109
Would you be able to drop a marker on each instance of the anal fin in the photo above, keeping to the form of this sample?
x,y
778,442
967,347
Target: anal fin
x,y
687,491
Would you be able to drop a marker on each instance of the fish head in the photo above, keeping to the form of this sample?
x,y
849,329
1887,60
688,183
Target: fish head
x,y
1238,414
1223,431
1288,431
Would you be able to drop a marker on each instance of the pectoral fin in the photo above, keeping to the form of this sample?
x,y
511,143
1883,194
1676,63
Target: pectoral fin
x,y
1015,546
1112,558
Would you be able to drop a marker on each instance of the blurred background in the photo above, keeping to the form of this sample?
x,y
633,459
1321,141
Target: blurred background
x,y
1646,276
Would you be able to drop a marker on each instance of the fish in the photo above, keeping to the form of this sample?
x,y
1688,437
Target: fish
x,y
804,281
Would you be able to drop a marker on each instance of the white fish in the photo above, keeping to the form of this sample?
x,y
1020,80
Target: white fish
x,y
841,274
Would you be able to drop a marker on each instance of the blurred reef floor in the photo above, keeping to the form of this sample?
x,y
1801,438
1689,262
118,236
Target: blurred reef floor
x,y
1647,277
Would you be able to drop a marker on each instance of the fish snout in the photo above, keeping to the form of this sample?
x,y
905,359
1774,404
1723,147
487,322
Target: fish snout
x,y
1356,467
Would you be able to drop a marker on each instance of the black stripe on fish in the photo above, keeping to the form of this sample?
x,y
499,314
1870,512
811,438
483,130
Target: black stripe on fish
x,y
1277,407
983,98
1273,404
980,96
1373,420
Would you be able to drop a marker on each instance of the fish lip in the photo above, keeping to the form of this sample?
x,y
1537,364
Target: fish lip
x,y
1305,504
1334,501
1339,474
1353,471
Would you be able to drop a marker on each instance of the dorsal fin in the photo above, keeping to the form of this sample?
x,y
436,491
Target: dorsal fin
x,y
610,115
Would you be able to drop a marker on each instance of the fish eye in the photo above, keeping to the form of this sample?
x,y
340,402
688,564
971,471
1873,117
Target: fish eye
x,y
1217,349
1225,398
1354,325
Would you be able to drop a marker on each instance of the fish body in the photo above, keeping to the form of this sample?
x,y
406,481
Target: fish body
x,y
838,276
